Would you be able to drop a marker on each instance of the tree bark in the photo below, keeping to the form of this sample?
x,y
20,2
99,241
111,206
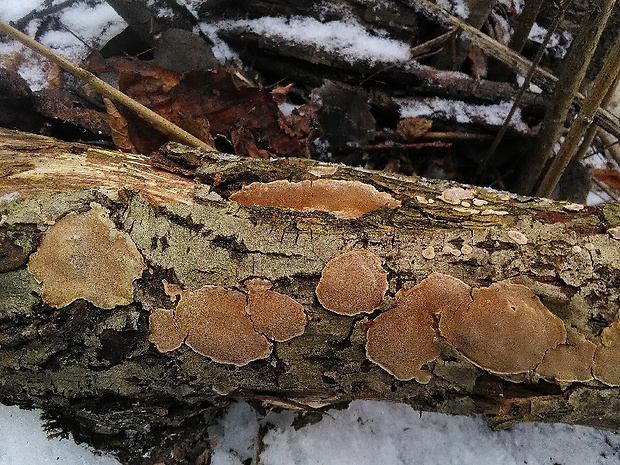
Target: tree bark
x,y
96,373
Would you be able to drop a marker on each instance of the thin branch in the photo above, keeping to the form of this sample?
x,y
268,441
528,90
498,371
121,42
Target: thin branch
x,y
593,130
104,88
524,25
526,84
604,79
514,60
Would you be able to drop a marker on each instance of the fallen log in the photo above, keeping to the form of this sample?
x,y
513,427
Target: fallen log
x,y
135,303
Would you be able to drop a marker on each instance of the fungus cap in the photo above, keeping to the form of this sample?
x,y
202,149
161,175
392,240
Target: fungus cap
x,y
165,331
275,315
505,329
352,283
568,363
83,256
218,326
401,340
607,357
344,199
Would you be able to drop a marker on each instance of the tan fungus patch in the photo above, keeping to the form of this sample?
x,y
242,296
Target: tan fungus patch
x,y
83,256
401,340
344,199
352,283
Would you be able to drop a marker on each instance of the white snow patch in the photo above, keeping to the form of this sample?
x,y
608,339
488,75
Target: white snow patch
x,y
461,112
347,39
95,25
368,433
456,7
222,52
12,10
287,108
24,442
558,44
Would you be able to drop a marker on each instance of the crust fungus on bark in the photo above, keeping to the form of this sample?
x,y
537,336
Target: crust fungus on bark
x,y
226,325
607,357
274,315
505,329
212,321
352,283
402,340
84,256
344,199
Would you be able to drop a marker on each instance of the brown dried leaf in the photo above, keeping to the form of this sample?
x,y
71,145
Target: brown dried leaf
x,y
119,127
410,129
206,104
608,176
279,93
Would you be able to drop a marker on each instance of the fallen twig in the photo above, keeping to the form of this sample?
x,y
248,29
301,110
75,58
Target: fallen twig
x,y
106,89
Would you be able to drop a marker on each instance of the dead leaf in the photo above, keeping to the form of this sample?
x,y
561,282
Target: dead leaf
x,y
410,129
206,104
119,128
608,176
280,93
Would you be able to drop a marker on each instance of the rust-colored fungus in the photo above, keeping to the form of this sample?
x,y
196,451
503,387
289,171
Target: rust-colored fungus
x,y
165,331
607,357
352,283
218,327
505,329
274,315
401,340
83,256
344,199
568,363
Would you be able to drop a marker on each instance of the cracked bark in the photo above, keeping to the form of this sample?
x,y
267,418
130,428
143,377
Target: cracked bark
x,y
96,374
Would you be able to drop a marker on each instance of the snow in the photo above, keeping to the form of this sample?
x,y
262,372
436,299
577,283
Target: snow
x,y
24,442
87,28
347,39
456,7
558,44
461,112
12,10
367,433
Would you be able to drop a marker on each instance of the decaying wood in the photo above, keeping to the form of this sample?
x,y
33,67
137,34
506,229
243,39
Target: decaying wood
x,y
97,374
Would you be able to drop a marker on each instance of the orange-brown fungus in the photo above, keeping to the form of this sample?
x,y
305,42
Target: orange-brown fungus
x,y
218,327
166,333
505,329
401,340
344,199
274,315
566,364
607,357
352,283
83,256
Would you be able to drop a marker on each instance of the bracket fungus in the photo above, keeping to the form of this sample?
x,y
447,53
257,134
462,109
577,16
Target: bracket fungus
x,y
607,357
456,195
344,199
401,340
352,283
83,256
212,321
226,325
505,329
568,363
275,315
